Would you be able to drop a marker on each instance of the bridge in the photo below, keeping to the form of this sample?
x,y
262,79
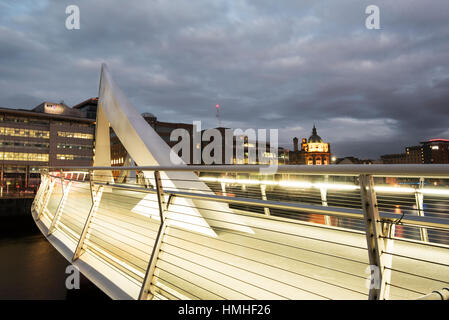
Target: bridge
x,y
232,232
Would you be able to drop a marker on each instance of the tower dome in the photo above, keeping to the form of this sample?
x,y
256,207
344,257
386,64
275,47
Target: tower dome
x,y
315,138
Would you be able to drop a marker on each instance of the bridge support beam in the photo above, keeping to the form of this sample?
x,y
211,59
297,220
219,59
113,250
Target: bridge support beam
x,y
96,198
378,242
146,292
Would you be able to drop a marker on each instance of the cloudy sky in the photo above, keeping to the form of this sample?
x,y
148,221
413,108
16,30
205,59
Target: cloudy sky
x,y
268,63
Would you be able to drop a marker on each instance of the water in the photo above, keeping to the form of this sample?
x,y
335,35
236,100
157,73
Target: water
x,y
30,268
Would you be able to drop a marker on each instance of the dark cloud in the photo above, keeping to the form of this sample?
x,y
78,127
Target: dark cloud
x,y
269,64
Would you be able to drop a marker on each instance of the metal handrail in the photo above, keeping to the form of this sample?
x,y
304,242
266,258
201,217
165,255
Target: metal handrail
x,y
419,221
405,170
431,222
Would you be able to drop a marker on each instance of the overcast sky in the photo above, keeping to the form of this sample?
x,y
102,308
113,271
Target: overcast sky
x,y
268,63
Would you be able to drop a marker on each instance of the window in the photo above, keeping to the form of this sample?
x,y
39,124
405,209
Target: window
x,y
29,133
38,121
15,119
72,157
22,156
23,144
74,146
77,135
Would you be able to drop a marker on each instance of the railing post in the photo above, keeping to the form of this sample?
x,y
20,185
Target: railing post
x,y
65,193
263,191
223,188
40,192
96,198
419,198
146,291
377,241
46,198
323,193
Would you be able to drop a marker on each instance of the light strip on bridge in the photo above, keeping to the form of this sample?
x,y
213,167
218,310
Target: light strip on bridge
x,y
284,183
328,186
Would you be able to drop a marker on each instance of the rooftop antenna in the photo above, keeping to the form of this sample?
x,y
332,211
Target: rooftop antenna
x,y
217,107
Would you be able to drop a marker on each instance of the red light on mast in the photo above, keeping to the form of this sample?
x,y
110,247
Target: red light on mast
x,y
217,106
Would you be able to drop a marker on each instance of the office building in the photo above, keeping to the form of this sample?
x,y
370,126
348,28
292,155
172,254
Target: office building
x,y
51,134
431,151
435,151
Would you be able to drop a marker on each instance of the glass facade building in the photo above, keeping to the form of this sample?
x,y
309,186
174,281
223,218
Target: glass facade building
x,y
51,134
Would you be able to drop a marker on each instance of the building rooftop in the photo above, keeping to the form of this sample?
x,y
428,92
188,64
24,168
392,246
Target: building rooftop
x,y
436,140
93,101
315,138
42,114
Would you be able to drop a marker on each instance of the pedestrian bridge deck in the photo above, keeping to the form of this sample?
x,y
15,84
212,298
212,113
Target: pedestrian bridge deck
x,y
226,248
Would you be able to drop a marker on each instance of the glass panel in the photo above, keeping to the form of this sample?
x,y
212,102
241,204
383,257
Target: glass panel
x,y
122,232
75,209
55,198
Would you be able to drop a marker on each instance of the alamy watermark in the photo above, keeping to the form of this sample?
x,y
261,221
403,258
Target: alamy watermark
x,y
72,22
73,279
373,19
226,146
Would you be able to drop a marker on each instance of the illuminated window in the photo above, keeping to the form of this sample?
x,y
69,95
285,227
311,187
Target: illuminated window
x,y
72,157
317,147
29,133
22,156
77,135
